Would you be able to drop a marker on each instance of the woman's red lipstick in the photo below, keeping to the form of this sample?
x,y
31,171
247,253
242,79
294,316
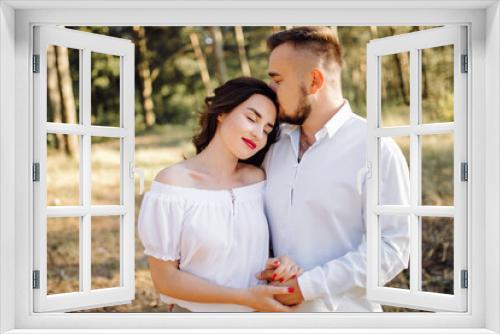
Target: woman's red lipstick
x,y
250,143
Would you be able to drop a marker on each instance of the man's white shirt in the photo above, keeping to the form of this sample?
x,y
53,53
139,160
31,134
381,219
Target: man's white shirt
x,y
317,215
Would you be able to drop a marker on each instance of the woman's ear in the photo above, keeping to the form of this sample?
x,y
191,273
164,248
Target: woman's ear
x,y
220,117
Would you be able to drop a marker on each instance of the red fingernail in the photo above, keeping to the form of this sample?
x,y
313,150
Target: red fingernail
x,y
274,277
291,289
282,280
293,276
276,262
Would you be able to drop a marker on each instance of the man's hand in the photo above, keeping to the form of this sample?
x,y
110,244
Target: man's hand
x,y
289,299
283,271
280,269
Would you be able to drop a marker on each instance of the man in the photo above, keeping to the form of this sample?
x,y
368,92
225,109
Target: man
x,y
316,213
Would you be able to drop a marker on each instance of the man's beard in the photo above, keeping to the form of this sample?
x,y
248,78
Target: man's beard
x,y
301,113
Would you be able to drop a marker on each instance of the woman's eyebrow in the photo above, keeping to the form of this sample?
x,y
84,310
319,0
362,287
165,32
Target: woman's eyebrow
x,y
259,115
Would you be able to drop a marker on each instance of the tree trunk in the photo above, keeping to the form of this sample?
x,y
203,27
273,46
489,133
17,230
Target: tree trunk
x,y
402,60
425,72
146,83
202,64
220,63
240,40
54,94
68,98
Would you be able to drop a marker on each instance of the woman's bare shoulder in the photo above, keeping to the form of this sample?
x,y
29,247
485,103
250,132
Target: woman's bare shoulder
x,y
175,175
251,174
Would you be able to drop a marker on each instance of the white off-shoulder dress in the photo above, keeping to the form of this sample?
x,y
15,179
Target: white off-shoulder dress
x,y
221,236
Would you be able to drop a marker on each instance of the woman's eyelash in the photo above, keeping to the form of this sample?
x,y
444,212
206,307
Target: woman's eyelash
x,y
253,121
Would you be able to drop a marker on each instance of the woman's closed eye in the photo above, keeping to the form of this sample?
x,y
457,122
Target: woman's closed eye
x,y
255,121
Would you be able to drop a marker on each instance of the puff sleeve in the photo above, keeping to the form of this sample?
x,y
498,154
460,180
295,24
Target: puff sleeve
x,y
160,225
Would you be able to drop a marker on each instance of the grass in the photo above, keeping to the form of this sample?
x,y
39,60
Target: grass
x,y
166,145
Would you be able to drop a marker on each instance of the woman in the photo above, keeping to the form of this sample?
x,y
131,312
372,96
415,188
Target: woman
x,y
202,223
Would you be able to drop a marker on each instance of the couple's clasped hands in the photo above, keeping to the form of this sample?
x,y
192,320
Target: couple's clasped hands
x,y
282,294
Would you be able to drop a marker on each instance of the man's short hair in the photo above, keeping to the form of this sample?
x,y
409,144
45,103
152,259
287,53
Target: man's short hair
x,y
319,40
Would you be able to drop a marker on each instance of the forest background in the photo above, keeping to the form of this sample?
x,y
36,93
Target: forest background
x,y
175,69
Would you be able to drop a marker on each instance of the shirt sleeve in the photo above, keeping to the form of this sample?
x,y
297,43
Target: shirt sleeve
x,y
160,226
333,279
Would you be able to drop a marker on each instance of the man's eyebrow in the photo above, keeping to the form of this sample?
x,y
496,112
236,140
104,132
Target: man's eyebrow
x,y
273,74
259,115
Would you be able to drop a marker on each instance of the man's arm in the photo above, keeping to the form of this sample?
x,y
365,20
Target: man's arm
x,y
331,280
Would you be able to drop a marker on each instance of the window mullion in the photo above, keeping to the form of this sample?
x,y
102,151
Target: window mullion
x,y
419,210
85,228
79,129
415,159
418,129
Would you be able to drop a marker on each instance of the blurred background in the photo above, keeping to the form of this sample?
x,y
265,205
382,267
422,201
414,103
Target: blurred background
x,y
176,68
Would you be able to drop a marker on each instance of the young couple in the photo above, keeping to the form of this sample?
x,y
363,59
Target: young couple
x,y
207,223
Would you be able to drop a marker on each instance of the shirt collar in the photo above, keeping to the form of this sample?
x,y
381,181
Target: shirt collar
x,y
330,127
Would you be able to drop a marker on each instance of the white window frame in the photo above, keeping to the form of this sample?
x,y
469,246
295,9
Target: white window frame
x,y
85,43
16,21
414,43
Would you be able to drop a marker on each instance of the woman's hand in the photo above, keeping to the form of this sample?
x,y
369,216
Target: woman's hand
x,y
280,270
261,298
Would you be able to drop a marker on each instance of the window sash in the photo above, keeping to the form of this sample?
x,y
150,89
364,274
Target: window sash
x,y
413,42
86,297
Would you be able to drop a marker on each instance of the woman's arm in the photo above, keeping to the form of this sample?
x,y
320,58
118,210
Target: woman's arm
x,y
169,280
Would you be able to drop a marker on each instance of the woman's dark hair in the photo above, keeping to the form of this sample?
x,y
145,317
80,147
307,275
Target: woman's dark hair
x,y
226,98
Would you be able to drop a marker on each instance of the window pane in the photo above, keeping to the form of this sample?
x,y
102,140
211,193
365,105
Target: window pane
x,y
437,169
106,173
395,89
386,191
437,254
63,169
105,89
437,84
105,252
63,255
389,228
63,80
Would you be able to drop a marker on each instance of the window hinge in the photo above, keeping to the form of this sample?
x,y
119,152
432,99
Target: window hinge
x,y
465,279
464,171
36,63
36,172
36,279
465,66
134,170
